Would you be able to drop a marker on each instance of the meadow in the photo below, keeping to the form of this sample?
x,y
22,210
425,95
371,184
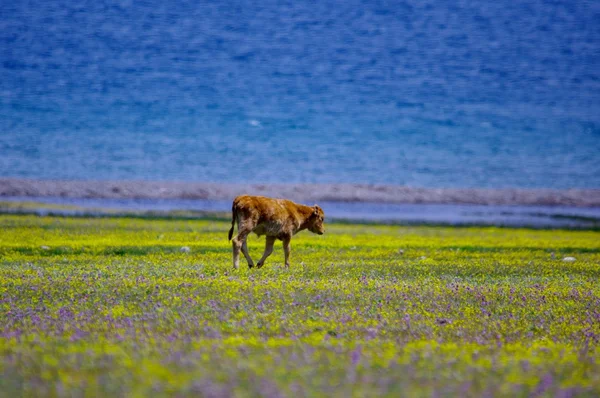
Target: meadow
x,y
113,306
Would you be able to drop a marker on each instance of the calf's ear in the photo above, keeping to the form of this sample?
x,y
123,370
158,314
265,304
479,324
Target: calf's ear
x,y
315,210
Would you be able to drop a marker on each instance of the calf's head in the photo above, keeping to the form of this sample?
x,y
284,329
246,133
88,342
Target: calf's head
x,y
315,222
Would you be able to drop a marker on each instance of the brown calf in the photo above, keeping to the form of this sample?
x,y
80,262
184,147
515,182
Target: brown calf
x,y
275,218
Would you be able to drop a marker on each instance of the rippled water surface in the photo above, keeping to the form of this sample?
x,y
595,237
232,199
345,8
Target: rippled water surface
x,y
422,93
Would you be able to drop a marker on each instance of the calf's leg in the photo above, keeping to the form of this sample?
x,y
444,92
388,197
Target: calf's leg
x,y
268,251
287,249
245,226
237,246
238,243
246,253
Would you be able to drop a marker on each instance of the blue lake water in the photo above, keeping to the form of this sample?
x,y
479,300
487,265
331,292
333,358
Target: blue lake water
x,y
421,93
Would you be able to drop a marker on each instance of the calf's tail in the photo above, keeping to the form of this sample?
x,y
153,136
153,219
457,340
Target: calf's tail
x,y
233,218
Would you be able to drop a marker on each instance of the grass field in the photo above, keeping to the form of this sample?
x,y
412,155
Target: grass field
x,y
111,306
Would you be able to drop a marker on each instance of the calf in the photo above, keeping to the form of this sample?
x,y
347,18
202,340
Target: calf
x,y
275,218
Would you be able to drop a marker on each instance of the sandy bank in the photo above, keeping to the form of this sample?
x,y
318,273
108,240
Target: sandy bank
x,y
300,192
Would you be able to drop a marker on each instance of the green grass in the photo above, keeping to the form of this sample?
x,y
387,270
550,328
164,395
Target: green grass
x,y
110,306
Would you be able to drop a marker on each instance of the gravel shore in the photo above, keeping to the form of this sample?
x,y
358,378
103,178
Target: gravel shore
x,y
300,192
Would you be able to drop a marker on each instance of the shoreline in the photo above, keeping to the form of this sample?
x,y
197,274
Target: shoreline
x,y
352,212
358,193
